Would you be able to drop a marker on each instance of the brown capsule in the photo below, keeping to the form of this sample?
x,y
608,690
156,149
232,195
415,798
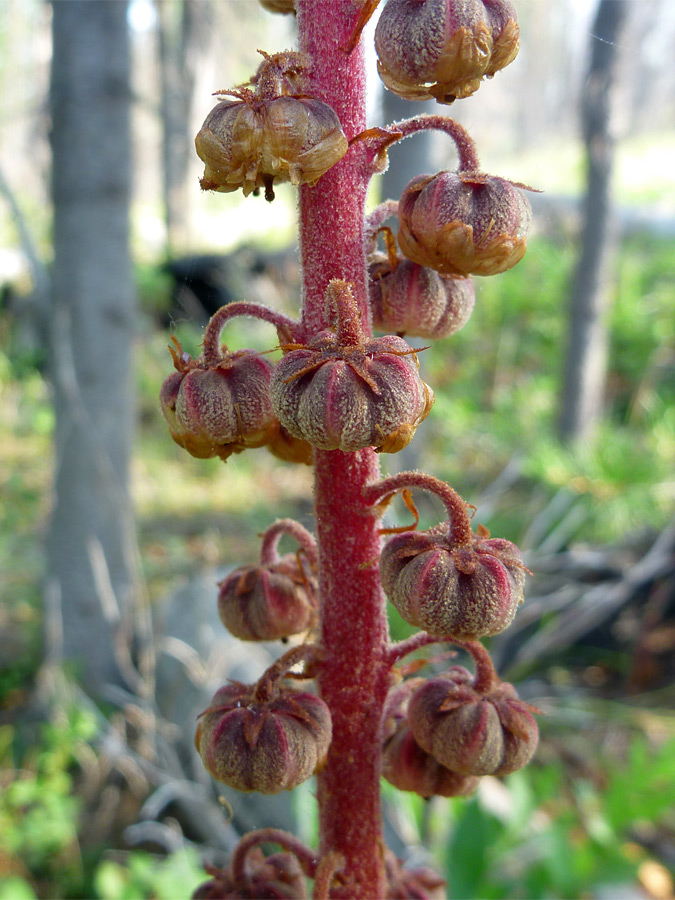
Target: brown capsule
x,y
405,764
464,223
442,49
220,409
345,391
269,602
270,135
415,300
278,6
473,731
463,591
263,743
275,877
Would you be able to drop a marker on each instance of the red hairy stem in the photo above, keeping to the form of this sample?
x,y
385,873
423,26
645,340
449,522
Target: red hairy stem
x,y
379,139
353,676
272,536
383,211
459,519
305,856
268,681
211,342
485,677
331,212
398,651
326,870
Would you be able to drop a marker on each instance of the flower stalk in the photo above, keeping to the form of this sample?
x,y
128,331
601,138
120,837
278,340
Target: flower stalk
x,y
339,397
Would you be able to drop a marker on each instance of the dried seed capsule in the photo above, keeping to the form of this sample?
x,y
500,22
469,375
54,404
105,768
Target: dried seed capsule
x,y
410,768
263,743
464,223
415,300
277,877
474,731
291,449
269,136
268,602
405,764
464,591
219,409
278,6
442,49
344,391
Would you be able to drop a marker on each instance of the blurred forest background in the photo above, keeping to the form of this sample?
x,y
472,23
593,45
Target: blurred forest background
x,y
554,415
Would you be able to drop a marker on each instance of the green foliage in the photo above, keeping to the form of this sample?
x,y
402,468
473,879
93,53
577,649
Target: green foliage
x,y
16,888
38,808
40,824
143,875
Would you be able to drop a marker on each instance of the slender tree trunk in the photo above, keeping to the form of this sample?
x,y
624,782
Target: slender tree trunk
x,y
91,574
586,358
179,30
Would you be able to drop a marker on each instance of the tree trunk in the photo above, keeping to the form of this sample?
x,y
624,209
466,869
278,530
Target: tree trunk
x,y
91,570
585,363
180,26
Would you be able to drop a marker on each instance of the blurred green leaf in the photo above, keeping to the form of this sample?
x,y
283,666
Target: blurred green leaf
x,y
15,888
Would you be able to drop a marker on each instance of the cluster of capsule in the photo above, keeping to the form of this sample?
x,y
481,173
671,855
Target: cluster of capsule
x,y
441,734
342,389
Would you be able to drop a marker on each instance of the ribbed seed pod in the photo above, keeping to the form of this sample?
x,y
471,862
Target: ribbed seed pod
x,y
267,744
466,592
404,763
339,399
415,300
269,602
441,49
464,223
474,732
345,391
217,410
267,136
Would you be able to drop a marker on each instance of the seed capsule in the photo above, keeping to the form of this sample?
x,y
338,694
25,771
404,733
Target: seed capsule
x,y
269,602
344,391
463,591
220,409
415,300
263,743
276,877
464,223
442,49
405,764
473,731
270,135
